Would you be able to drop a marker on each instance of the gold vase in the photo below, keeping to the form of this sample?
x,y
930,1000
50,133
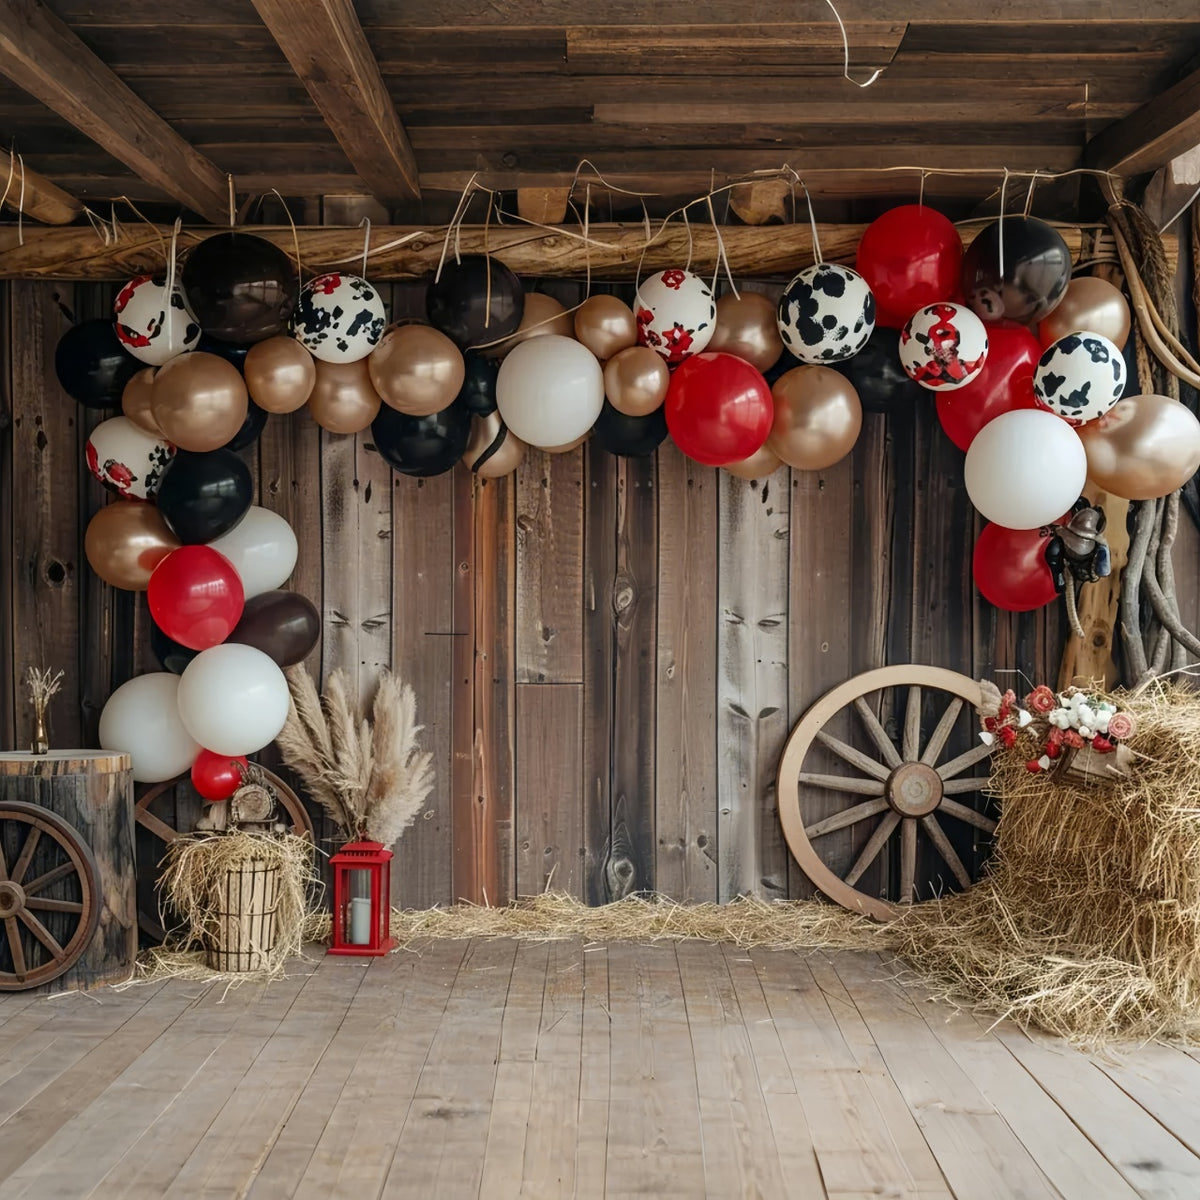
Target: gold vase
x,y
41,739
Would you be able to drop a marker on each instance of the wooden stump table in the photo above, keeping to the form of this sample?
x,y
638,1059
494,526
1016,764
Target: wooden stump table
x,y
68,896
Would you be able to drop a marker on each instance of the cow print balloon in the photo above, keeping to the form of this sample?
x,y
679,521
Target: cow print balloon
x,y
339,318
676,314
149,328
943,346
1080,377
127,459
826,314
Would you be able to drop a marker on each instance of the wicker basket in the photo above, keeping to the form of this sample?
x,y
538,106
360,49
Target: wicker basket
x,y
245,925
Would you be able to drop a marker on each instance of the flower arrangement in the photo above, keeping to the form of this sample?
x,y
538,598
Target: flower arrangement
x,y
1074,719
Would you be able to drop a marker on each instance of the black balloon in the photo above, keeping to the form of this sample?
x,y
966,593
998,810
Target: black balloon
x,y
241,287
91,364
252,426
630,437
422,445
227,350
475,301
202,496
171,655
478,391
878,378
283,625
1018,268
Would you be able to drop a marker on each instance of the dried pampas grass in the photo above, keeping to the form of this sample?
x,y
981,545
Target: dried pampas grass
x,y
368,775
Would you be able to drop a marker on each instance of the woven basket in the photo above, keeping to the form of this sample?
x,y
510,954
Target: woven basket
x,y
245,925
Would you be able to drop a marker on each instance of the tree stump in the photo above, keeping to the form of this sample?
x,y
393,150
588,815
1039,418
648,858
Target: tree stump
x,y
47,901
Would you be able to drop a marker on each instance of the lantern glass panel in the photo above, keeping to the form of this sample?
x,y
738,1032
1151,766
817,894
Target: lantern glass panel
x,y
358,925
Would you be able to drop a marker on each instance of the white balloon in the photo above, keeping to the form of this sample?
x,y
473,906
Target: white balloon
x,y
262,548
142,719
233,699
151,329
676,314
1025,469
550,390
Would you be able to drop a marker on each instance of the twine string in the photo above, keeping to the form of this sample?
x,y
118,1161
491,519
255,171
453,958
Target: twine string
x,y
295,237
366,221
846,53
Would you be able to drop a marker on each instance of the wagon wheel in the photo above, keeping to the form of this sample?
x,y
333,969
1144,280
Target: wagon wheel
x,y
48,919
903,788
167,833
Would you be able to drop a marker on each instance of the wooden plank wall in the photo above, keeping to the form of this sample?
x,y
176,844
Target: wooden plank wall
x,y
608,654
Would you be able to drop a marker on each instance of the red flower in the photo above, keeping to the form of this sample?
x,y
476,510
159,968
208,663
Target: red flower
x,y
989,723
1034,766
1055,737
1041,700
678,341
119,473
674,279
1102,745
1053,749
1073,739
1008,735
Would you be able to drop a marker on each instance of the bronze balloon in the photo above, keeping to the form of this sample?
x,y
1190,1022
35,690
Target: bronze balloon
x,y
280,374
758,466
1090,305
605,325
137,400
343,400
747,327
125,541
543,314
817,418
416,370
199,401
636,380
492,449
1143,448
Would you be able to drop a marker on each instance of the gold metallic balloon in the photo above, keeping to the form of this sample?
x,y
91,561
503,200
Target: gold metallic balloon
x,y
1090,305
758,466
343,400
817,418
492,449
280,374
416,370
199,401
125,541
1143,448
568,447
543,314
136,402
605,325
636,380
747,327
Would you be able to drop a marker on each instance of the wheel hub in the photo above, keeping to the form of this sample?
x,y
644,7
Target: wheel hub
x,y
12,898
913,789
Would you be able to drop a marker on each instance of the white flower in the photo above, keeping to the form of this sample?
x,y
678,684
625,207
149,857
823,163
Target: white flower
x,y
988,739
1085,731
1023,718
1102,721
1044,762
1087,714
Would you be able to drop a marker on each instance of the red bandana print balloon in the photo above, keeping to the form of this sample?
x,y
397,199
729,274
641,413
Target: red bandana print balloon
x,y
943,346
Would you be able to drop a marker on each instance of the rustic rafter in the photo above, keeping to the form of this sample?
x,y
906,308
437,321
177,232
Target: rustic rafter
x,y
34,195
1151,135
41,55
328,50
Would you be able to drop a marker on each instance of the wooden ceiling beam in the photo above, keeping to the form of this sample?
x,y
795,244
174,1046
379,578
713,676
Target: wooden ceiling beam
x,y
405,252
1152,135
326,46
41,55
26,191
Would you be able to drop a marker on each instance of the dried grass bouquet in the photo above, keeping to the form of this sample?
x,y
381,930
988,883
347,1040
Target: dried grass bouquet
x,y
368,775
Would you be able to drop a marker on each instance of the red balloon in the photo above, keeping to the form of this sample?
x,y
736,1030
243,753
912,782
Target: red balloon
x,y
911,256
1004,384
196,596
217,776
1010,568
719,408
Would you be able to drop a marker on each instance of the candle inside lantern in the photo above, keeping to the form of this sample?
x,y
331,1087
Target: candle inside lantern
x,y
360,920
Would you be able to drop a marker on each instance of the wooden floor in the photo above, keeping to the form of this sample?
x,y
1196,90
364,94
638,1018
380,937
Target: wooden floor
x,y
500,1069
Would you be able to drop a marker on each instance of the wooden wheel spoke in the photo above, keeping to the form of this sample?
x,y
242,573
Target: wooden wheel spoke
x,y
875,843
14,944
969,783
26,856
908,859
852,816
3,863
845,783
956,766
45,904
42,934
44,881
940,735
964,813
912,725
856,758
938,837
879,735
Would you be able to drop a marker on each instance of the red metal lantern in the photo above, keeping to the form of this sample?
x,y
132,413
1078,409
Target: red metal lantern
x,y
362,909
